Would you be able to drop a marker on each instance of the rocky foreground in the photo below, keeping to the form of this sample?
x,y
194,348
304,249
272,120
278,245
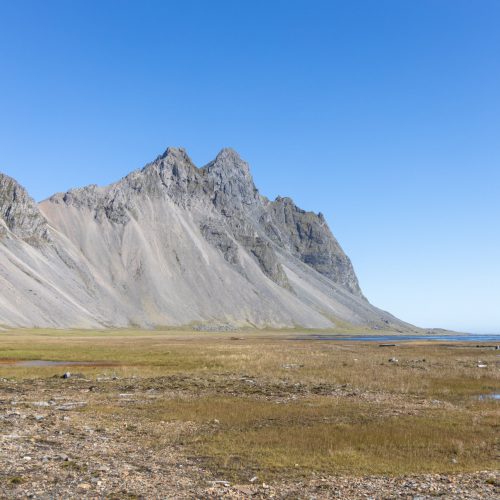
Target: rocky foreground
x,y
136,414
52,447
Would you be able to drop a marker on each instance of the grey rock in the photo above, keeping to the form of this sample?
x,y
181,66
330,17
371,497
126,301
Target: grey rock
x,y
19,214
306,235
221,239
267,259
174,244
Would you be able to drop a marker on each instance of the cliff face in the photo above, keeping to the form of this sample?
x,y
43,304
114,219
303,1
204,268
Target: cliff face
x,y
19,214
307,236
173,244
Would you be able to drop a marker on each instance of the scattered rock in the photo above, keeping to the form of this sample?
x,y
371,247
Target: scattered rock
x,y
71,406
245,489
221,483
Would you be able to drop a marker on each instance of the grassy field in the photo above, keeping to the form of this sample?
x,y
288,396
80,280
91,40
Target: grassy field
x,y
266,404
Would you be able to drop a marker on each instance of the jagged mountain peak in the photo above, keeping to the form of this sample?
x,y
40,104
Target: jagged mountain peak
x,y
175,154
229,162
225,187
227,176
173,244
231,179
231,156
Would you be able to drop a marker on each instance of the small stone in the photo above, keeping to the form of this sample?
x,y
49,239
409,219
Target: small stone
x,y
246,490
222,483
254,479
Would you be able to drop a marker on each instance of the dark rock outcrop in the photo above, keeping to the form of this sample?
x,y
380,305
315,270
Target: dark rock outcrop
x,y
307,236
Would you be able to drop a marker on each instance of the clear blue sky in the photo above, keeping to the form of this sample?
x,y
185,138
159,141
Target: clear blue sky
x,y
383,115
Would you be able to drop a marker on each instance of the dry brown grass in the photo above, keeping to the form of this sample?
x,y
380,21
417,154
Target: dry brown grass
x,y
354,411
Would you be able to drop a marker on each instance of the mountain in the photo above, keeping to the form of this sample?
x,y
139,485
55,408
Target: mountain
x,y
173,244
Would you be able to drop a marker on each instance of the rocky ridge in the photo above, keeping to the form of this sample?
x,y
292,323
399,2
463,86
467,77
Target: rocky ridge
x,y
174,244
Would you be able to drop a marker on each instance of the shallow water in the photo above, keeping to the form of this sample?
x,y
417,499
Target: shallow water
x,y
495,395
33,363
400,338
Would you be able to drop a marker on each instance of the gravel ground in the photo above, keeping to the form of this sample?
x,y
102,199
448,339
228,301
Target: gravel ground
x,y
52,448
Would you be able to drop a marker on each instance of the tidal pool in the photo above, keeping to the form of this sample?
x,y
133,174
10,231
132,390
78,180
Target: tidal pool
x,y
32,363
485,397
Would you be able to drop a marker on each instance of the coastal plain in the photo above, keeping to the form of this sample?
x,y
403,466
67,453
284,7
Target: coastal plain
x,y
179,414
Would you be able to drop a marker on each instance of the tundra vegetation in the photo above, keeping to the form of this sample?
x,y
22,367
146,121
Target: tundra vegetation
x,y
237,406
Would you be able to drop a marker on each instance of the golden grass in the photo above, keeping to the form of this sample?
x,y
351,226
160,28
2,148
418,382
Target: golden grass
x,y
356,413
239,436
447,372
394,446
